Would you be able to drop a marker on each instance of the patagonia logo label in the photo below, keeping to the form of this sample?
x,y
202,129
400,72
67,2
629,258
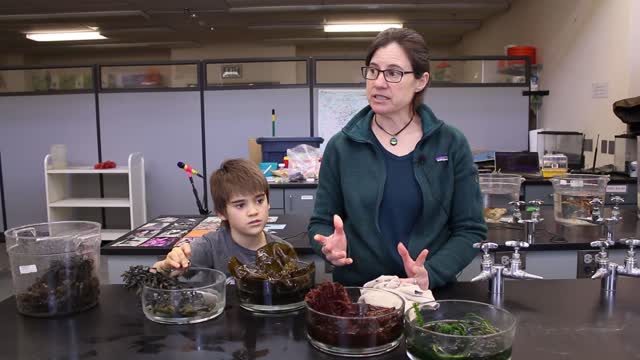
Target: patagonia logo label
x,y
441,158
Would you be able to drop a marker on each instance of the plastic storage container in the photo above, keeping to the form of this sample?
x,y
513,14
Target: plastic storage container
x,y
498,190
202,298
361,335
458,329
55,267
554,165
573,194
274,149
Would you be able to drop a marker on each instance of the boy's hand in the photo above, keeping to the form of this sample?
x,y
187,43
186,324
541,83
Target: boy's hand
x,y
334,247
178,258
415,270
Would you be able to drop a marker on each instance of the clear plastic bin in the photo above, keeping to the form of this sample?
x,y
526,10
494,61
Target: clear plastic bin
x,y
573,194
55,267
498,190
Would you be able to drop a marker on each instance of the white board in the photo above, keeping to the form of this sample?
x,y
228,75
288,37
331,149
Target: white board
x,y
335,108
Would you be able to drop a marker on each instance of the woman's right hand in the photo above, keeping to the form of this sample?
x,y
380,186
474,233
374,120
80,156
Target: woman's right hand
x,y
177,259
334,247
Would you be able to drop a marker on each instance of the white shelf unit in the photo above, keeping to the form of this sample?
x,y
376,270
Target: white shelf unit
x,y
60,203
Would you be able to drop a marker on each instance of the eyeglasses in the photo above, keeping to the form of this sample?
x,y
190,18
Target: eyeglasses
x,y
391,75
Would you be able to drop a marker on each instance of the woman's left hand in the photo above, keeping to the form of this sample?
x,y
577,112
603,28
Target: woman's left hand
x,y
415,269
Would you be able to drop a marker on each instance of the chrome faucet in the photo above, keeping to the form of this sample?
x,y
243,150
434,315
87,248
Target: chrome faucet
x,y
629,268
606,269
529,227
610,222
530,224
496,273
514,271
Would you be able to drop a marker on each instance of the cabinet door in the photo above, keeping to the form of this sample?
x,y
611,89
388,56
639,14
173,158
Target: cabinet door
x,y
299,201
276,199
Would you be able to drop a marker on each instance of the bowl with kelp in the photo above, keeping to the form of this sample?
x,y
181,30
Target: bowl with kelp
x,y
459,329
276,282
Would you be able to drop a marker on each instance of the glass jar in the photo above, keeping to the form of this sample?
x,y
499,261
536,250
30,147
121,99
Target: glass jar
x,y
54,267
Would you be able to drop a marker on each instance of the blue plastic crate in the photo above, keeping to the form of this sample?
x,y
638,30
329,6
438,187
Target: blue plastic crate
x,y
274,149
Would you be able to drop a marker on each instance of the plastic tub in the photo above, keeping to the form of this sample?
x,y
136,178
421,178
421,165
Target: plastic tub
x,y
54,267
358,335
498,190
274,149
573,194
202,298
427,339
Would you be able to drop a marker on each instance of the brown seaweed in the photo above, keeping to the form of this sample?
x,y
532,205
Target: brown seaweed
x,y
276,278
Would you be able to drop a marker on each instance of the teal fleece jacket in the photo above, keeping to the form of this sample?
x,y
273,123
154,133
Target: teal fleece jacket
x,y
351,184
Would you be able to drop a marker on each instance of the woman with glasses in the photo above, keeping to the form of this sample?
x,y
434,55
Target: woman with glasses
x,y
397,183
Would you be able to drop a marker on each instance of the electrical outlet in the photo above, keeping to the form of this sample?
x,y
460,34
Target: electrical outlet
x,y
587,263
504,258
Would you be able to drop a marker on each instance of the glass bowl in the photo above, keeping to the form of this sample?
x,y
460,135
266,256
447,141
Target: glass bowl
x,y
202,298
275,296
358,335
425,343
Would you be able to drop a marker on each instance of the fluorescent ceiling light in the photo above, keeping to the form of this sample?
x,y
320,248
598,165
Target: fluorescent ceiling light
x,y
66,36
360,27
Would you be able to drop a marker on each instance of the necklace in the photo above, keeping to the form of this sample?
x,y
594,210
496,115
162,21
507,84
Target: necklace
x,y
394,140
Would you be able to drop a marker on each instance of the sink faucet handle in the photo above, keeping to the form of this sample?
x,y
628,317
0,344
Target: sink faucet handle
x,y
615,211
535,215
602,244
631,243
485,246
517,244
517,206
617,200
596,204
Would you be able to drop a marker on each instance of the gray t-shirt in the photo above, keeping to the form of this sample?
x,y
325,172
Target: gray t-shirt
x,y
214,250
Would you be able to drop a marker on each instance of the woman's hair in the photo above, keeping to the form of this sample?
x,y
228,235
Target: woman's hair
x,y
414,47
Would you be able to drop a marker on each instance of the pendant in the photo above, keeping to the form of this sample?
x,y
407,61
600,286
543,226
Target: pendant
x,y
393,141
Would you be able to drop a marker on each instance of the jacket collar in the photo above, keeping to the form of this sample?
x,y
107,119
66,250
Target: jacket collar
x,y
359,127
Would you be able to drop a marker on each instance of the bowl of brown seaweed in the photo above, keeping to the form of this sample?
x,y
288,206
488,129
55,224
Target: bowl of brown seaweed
x,y
458,329
277,281
186,297
353,321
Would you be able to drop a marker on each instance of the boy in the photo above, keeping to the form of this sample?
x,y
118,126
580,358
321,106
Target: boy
x,y
241,197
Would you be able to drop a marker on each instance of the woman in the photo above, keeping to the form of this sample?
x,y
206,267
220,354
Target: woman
x,y
397,183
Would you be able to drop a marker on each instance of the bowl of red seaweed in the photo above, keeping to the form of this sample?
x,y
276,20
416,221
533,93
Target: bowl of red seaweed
x,y
353,321
459,329
277,282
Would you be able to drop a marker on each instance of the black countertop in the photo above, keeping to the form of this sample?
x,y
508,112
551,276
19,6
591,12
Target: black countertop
x,y
557,319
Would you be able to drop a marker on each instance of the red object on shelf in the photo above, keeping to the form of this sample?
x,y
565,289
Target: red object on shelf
x,y
529,51
105,165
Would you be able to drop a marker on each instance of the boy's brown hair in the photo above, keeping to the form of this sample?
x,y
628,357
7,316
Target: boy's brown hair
x,y
236,177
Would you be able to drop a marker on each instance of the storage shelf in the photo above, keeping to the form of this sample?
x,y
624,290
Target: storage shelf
x,y
112,234
92,202
89,170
